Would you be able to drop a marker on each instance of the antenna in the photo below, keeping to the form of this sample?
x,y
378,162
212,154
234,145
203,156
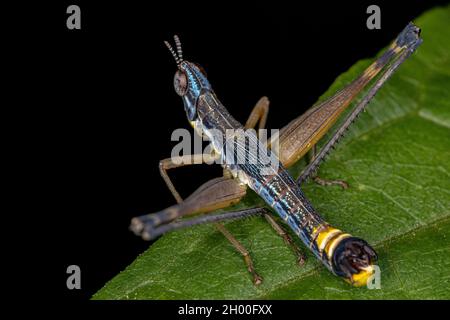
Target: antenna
x,y
178,56
178,44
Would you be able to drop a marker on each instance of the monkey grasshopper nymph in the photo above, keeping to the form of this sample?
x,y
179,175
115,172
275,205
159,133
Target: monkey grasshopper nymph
x,y
343,254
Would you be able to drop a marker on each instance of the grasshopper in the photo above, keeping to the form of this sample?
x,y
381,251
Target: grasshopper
x,y
345,255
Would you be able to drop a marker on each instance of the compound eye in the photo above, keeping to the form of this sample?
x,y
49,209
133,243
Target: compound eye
x,y
180,82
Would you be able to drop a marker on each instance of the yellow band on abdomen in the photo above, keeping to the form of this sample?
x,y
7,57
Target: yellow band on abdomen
x,y
328,239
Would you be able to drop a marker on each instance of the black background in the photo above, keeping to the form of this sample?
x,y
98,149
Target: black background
x,y
104,106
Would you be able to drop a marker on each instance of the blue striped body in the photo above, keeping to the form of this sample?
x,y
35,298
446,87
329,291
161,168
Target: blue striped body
x,y
261,171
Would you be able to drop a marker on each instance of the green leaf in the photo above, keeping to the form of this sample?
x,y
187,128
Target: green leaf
x,y
396,158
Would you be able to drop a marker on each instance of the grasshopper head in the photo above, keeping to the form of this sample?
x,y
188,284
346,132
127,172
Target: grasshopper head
x,y
189,81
